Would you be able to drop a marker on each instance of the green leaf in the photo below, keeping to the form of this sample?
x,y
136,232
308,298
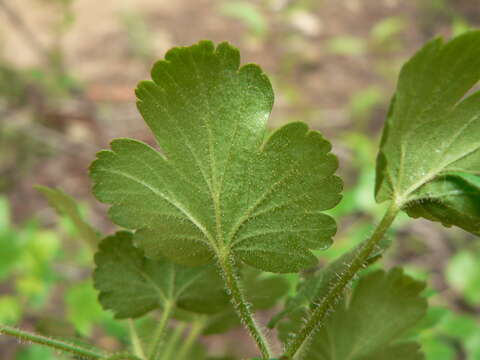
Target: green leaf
x,y
12,251
430,144
452,199
65,205
219,187
82,307
311,290
10,310
247,13
4,214
36,352
131,285
370,324
463,275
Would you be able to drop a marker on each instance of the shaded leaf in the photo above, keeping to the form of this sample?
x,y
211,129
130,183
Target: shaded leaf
x,y
452,200
131,285
370,324
430,143
311,290
220,186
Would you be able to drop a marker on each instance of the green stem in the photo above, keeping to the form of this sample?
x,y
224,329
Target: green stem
x,y
53,343
336,290
159,335
136,343
195,332
242,307
171,347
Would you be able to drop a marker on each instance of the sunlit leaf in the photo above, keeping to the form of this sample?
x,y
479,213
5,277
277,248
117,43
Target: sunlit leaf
x,y
219,186
429,159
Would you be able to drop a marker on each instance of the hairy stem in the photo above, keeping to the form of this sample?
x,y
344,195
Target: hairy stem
x,y
242,307
67,347
136,343
336,289
158,337
195,332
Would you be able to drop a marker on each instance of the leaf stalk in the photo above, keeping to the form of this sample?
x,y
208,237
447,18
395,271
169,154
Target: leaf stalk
x,y
56,344
135,340
159,335
242,307
195,331
336,289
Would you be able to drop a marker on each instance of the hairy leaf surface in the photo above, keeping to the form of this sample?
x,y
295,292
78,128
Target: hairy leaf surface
x,y
432,131
219,186
131,285
370,324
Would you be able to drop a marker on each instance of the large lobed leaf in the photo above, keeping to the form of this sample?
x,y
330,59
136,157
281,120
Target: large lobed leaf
x,y
131,285
219,186
431,141
369,325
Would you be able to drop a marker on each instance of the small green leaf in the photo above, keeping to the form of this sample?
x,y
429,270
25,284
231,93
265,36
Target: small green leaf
x,y
463,275
65,205
82,307
10,310
132,285
430,149
35,352
370,324
219,187
4,214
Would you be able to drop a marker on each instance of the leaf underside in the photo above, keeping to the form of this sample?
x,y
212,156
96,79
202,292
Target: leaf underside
x,y
368,325
219,186
131,285
431,140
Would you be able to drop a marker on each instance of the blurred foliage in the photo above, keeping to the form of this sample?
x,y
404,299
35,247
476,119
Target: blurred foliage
x,y
139,35
463,275
247,13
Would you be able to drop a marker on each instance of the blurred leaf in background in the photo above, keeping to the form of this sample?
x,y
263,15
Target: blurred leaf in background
x,y
463,275
82,307
247,13
347,45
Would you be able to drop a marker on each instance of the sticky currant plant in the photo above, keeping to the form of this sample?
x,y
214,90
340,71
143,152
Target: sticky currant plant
x,y
216,214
